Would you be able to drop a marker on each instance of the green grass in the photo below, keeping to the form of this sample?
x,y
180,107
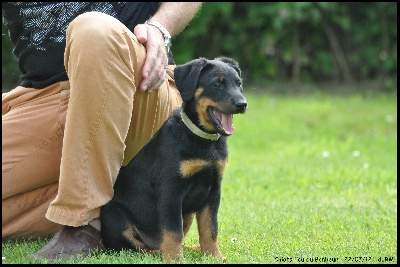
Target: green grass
x,y
311,175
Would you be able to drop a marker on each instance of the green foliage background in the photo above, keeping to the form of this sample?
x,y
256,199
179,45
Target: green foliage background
x,y
281,41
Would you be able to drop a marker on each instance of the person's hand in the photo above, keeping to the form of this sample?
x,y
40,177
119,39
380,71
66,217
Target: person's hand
x,y
156,57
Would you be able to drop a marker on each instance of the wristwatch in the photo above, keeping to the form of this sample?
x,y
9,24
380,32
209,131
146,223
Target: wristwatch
x,y
167,36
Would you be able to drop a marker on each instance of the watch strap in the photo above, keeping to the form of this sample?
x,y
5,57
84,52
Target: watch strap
x,y
167,36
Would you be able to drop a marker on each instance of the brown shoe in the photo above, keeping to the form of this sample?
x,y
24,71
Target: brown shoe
x,y
71,242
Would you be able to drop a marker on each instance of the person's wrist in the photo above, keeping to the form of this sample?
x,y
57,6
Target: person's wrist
x,y
165,33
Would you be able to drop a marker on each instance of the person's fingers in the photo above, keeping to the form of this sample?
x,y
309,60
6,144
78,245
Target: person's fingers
x,y
158,72
140,31
156,57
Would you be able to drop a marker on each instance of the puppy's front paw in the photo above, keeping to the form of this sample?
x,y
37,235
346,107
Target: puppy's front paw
x,y
217,254
193,248
221,257
173,258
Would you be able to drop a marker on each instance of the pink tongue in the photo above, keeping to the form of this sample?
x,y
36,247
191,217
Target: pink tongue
x,y
226,121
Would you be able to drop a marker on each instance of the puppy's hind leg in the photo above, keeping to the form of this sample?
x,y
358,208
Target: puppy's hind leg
x,y
116,229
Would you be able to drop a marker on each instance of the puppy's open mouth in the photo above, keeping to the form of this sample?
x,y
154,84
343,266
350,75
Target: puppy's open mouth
x,y
223,123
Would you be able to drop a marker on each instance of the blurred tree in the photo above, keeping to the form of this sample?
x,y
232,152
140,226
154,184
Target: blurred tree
x,y
331,12
301,41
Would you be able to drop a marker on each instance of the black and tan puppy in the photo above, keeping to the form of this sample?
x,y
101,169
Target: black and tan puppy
x,y
178,173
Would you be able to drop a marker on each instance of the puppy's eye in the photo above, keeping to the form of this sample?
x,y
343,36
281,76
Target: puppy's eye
x,y
239,84
218,84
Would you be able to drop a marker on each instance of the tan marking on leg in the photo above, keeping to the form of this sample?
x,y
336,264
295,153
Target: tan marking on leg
x,y
207,235
129,234
190,167
187,222
221,166
171,246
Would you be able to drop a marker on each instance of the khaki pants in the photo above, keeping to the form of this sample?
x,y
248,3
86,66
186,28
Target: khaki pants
x,y
62,146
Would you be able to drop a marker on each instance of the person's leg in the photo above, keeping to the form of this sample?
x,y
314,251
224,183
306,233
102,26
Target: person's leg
x,y
32,132
23,215
105,115
150,111
103,61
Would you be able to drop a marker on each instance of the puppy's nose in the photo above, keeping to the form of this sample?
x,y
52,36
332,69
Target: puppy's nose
x,y
241,106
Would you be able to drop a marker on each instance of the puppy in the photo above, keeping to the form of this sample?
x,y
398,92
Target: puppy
x,y
178,173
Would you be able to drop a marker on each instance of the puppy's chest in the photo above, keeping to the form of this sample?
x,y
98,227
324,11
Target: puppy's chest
x,y
191,168
198,161
200,177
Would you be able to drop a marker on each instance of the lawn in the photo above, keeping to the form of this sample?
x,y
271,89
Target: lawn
x,y
311,178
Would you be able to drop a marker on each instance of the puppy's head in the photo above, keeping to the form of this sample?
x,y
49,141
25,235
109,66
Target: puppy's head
x,y
211,91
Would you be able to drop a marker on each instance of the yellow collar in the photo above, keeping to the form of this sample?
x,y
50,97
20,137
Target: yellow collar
x,y
196,130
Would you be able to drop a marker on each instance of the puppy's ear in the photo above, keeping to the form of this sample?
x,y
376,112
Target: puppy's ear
x,y
231,63
187,76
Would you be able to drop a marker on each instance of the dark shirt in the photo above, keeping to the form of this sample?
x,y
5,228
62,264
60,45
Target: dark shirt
x,y
38,31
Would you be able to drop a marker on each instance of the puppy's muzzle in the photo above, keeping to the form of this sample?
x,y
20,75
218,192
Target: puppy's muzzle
x,y
241,106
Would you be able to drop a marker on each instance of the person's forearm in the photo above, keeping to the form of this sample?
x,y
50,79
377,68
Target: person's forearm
x,y
174,16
